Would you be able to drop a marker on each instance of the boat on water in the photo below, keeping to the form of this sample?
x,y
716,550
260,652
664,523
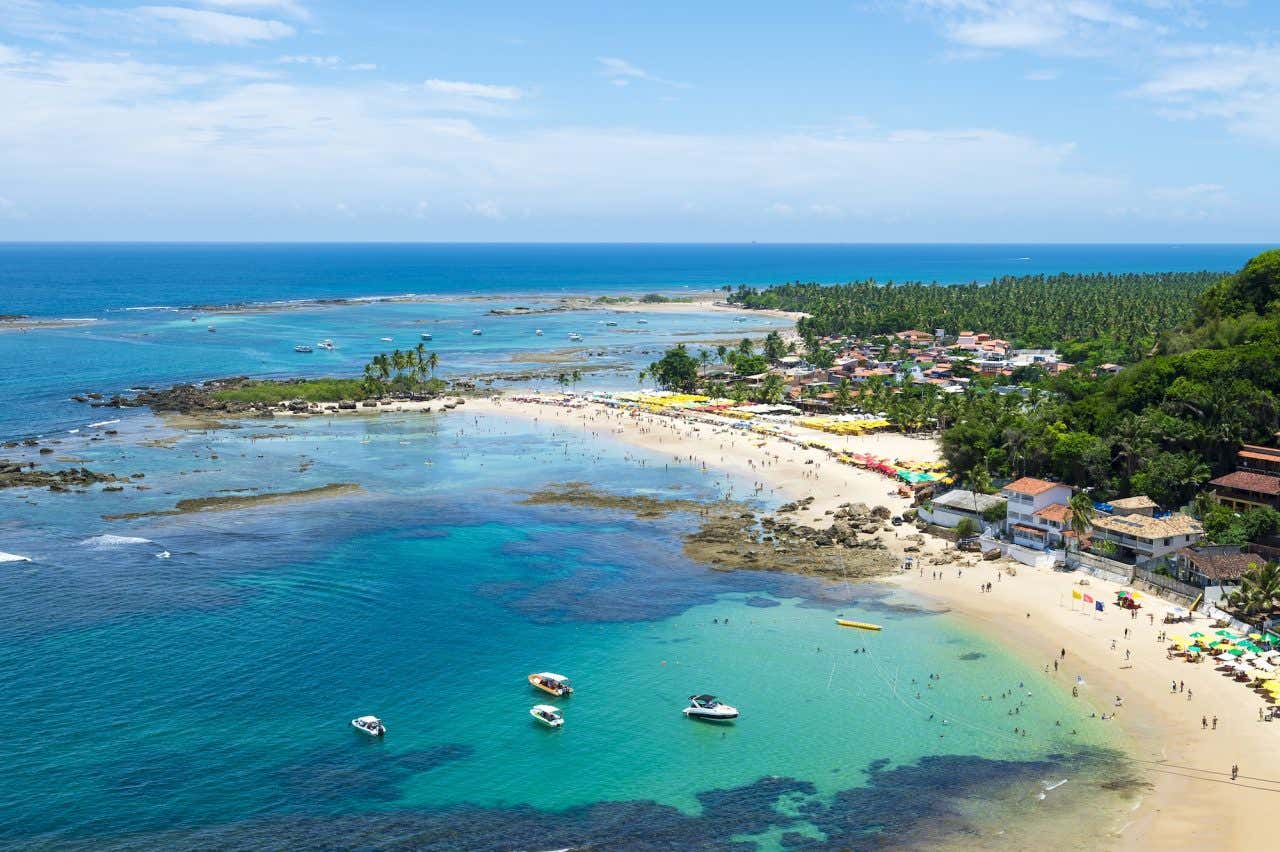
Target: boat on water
x,y
709,708
556,684
326,344
573,335
538,332
211,328
370,725
610,322
642,322
861,625
301,348
426,335
476,332
547,715
385,339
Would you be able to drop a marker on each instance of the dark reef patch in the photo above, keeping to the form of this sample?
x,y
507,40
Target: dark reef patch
x,y
970,656
912,806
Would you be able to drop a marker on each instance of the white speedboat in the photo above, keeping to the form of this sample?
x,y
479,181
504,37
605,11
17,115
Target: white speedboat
x,y
370,725
301,348
538,332
211,328
573,335
556,684
426,335
611,322
642,322
326,344
385,339
547,715
476,332
708,708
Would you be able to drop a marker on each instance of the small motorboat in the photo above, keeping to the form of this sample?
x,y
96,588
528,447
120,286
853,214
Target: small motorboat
x,y
370,725
538,332
708,708
326,344
556,684
301,348
610,322
426,335
642,322
475,332
573,335
861,625
211,328
385,339
547,715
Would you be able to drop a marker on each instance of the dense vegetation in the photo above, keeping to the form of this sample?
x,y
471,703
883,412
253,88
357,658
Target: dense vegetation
x,y
1096,317
1162,427
398,372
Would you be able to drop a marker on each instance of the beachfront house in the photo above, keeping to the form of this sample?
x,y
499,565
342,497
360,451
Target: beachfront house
x,y
1141,536
984,510
1255,481
1038,512
1212,565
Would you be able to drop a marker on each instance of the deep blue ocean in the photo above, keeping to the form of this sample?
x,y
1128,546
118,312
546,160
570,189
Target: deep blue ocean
x,y
186,681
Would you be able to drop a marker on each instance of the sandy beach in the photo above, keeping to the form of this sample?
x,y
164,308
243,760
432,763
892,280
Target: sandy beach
x,y
1192,801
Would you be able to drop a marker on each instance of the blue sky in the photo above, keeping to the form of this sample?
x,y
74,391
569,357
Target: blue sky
x,y
919,120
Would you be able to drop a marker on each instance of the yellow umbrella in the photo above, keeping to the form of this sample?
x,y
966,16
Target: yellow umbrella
x,y
1180,641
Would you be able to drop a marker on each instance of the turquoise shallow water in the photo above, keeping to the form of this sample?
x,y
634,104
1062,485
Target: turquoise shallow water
x,y
208,693
192,677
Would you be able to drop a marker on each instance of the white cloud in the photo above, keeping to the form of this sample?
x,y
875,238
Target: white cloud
x,y
1055,26
486,210
1239,84
216,27
621,72
217,144
323,61
482,91
282,7
1041,75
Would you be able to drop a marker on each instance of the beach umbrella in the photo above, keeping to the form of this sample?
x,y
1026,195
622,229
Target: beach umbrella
x,y
1197,635
1226,634
1194,649
1236,652
1257,637
1225,658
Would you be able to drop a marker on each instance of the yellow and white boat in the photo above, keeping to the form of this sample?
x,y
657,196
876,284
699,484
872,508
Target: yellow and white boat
x,y
556,684
861,625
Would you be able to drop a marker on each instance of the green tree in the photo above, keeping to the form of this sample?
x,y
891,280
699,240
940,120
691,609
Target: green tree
x,y
1081,505
774,348
676,370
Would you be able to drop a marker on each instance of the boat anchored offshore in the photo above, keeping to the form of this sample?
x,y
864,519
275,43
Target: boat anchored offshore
x,y
709,708
477,332
861,625
547,715
326,344
426,335
370,725
538,332
301,348
556,684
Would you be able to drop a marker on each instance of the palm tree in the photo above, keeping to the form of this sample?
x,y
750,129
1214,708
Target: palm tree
x,y
433,361
1259,589
771,390
1081,505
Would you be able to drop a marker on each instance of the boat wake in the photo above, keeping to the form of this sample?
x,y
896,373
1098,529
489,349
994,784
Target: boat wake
x,y
13,557
114,540
1049,788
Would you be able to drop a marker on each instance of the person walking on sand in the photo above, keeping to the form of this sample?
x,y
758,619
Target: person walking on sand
x,y
1235,771
1215,723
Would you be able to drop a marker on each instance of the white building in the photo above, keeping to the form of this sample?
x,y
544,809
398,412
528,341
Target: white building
x,y
1139,535
1038,511
958,504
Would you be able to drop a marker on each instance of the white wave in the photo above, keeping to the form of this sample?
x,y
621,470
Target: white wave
x,y
102,423
152,308
13,557
164,554
115,540
73,431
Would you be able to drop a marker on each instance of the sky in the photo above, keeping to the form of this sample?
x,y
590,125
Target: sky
x,y
862,121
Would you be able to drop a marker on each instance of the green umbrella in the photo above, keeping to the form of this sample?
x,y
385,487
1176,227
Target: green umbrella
x,y
1197,635
1236,652
1226,633
1194,649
